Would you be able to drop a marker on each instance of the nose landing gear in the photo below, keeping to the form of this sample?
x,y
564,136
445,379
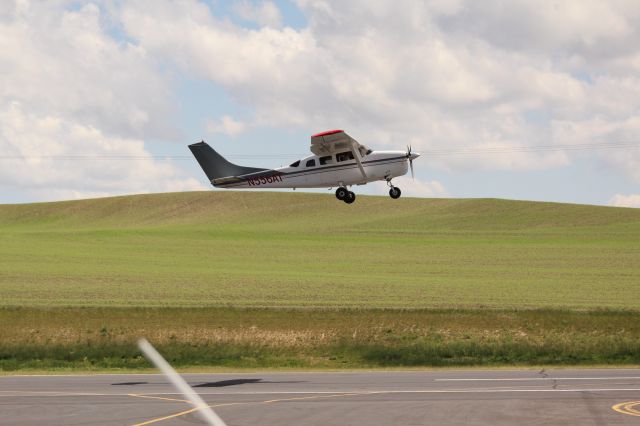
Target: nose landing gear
x,y
394,192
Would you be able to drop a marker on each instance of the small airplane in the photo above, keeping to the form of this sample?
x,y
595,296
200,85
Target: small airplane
x,y
338,160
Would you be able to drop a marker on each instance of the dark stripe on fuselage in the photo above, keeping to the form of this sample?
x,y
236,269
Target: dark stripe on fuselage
x,y
313,171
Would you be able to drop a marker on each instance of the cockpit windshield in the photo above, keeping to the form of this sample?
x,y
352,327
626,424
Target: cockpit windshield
x,y
364,151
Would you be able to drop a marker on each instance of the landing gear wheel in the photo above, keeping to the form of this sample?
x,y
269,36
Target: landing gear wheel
x,y
395,192
341,193
350,198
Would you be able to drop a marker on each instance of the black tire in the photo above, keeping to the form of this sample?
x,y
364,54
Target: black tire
x,y
341,193
350,198
395,193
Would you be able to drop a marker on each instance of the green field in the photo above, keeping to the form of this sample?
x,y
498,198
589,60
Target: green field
x,y
291,280
308,250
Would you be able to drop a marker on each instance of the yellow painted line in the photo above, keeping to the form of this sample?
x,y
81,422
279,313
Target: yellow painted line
x,y
304,397
172,416
623,407
634,411
627,408
159,419
158,397
182,413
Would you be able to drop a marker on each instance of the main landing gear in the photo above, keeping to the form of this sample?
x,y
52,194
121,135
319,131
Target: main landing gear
x,y
343,194
394,192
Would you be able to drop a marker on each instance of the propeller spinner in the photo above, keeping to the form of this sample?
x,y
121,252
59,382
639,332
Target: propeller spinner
x,y
411,157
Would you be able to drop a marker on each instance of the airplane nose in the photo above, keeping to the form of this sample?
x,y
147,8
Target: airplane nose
x,y
414,155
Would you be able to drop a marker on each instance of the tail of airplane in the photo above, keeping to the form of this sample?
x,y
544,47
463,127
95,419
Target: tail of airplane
x,y
215,165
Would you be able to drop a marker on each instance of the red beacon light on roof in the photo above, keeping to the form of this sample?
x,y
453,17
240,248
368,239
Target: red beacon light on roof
x,y
328,132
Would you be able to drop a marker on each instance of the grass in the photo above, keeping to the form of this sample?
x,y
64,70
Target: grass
x,y
104,338
275,280
208,249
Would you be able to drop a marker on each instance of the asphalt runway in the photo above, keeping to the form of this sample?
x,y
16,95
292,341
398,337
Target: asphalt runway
x,y
441,397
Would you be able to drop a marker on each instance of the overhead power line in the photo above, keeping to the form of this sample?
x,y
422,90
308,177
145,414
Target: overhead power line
x,y
134,157
428,152
533,148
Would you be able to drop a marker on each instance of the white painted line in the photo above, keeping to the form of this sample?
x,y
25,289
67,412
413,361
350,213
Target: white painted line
x,y
514,379
54,375
51,393
509,390
325,373
357,391
435,391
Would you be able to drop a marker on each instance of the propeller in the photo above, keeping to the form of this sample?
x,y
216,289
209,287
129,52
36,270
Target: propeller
x,y
410,161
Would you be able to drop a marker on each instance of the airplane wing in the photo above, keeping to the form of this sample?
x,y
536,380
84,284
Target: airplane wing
x,y
331,141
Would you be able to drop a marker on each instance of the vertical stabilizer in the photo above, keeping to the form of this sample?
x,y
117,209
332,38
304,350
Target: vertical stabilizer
x,y
215,165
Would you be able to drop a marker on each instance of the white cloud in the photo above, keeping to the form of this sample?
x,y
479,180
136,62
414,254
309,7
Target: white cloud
x,y
440,75
226,125
62,60
611,130
265,13
436,74
37,138
576,26
620,200
70,89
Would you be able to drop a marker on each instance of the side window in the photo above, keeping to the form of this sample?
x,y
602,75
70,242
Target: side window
x,y
311,163
325,160
344,156
295,164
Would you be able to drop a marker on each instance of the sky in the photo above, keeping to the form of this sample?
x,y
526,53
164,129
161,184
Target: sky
x,y
533,100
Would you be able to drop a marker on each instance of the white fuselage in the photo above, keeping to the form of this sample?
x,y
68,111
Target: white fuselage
x,y
327,171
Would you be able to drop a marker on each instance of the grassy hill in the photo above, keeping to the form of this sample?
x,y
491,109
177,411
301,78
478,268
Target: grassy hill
x,y
489,282
203,249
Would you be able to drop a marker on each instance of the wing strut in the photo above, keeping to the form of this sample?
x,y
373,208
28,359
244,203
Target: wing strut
x,y
356,155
